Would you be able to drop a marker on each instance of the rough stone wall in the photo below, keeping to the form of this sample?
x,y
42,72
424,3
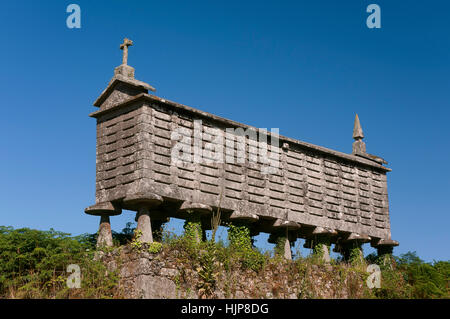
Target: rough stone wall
x,y
165,276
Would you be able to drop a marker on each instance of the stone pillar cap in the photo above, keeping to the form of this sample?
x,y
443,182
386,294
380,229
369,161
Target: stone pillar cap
x,y
134,201
281,223
237,215
103,209
360,237
196,207
386,242
324,231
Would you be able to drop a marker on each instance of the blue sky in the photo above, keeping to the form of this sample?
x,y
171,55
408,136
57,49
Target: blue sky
x,y
305,67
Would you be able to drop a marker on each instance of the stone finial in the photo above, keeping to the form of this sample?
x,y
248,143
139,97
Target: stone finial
x,y
359,147
124,46
357,130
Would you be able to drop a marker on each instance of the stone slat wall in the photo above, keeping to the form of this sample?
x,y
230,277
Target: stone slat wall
x,y
134,154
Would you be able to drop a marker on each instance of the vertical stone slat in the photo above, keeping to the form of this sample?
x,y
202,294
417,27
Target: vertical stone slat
x,y
305,183
371,204
174,171
358,203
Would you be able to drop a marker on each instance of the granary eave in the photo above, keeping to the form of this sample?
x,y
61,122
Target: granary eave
x,y
231,123
114,81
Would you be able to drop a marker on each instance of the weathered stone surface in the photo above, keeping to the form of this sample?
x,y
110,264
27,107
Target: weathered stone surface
x,y
287,249
104,233
240,216
154,287
169,272
357,130
144,199
198,208
285,224
166,275
144,225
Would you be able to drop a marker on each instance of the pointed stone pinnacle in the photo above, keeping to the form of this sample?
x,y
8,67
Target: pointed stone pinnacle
x,y
357,130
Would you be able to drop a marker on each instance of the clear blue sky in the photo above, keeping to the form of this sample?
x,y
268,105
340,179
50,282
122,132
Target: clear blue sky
x,y
305,67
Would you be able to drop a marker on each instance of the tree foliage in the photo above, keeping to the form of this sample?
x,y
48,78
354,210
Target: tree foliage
x,y
33,264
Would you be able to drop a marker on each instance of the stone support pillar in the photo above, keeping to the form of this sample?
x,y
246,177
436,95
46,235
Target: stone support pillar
x,y
144,225
157,227
104,210
158,219
320,242
287,252
245,220
193,226
351,248
143,203
321,248
284,233
351,251
104,232
385,249
385,246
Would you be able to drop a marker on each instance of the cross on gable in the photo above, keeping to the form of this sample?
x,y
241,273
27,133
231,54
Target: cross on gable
x,y
124,46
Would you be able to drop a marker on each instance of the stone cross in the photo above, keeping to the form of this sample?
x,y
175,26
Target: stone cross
x,y
124,46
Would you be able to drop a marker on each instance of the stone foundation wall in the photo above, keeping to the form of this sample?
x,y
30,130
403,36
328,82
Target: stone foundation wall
x,y
168,275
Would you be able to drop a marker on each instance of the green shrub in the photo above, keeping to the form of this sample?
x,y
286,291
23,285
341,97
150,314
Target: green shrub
x,y
241,245
239,237
154,247
193,232
428,280
33,264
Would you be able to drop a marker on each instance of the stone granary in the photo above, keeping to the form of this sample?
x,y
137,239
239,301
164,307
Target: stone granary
x,y
311,192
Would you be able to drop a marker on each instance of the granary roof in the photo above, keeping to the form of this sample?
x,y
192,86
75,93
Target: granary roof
x,y
124,79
